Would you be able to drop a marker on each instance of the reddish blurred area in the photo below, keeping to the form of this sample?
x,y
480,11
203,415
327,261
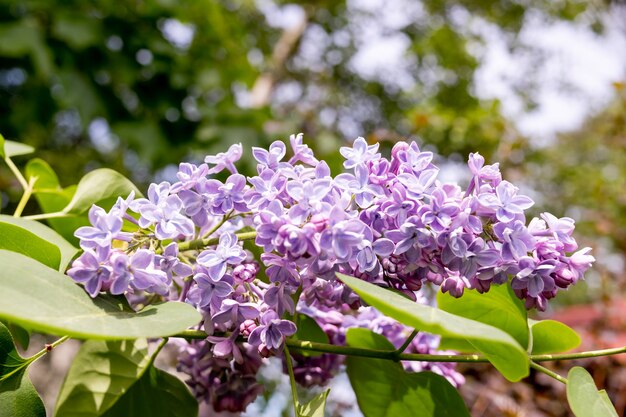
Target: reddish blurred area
x,y
600,325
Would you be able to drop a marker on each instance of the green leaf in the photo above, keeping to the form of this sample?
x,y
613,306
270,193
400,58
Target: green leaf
x,y
550,336
67,250
315,407
97,186
501,349
156,394
499,308
584,398
22,241
308,329
2,154
101,373
384,389
18,397
12,149
46,177
45,300
20,334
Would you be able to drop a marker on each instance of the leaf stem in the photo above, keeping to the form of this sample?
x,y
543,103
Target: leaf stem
x,y
158,349
28,191
16,172
292,380
407,342
43,216
548,372
28,361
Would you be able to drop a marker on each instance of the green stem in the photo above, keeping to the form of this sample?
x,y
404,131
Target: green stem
x,y
28,191
407,342
17,173
292,380
548,372
43,216
158,349
201,243
302,345
36,356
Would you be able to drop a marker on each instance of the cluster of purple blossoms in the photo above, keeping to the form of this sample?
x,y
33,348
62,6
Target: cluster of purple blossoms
x,y
387,221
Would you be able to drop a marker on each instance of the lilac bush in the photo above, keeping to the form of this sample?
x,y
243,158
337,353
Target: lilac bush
x,y
388,221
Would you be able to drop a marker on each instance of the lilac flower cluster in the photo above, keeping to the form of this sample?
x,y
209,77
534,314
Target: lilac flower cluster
x,y
388,221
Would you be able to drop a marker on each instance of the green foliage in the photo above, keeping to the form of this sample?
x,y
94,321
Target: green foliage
x,y
2,154
66,250
308,329
499,308
550,336
584,398
45,300
18,397
22,241
315,407
101,373
100,187
384,389
499,347
155,394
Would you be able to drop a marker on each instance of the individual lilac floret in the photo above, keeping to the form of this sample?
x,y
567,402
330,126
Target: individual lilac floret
x,y
91,269
301,152
208,292
270,158
272,331
137,270
359,186
227,252
505,203
228,196
169,263
105,227
359,153
164,210
235,312
225,160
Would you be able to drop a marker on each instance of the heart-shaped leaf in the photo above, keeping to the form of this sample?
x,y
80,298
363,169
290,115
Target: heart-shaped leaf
x,y
550,336
22,241
584,398
12,149
98,186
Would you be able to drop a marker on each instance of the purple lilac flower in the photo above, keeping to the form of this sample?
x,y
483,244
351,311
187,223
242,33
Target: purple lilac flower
x,y
235,312
228,196
164,210
105,227
227,252
505,203
208,292
359,186
272,331
301,152
359,153
91,269
138,271
270,158
225,160
169,263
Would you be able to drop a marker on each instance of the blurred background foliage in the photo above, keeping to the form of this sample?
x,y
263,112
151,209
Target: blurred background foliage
x,y
139,84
